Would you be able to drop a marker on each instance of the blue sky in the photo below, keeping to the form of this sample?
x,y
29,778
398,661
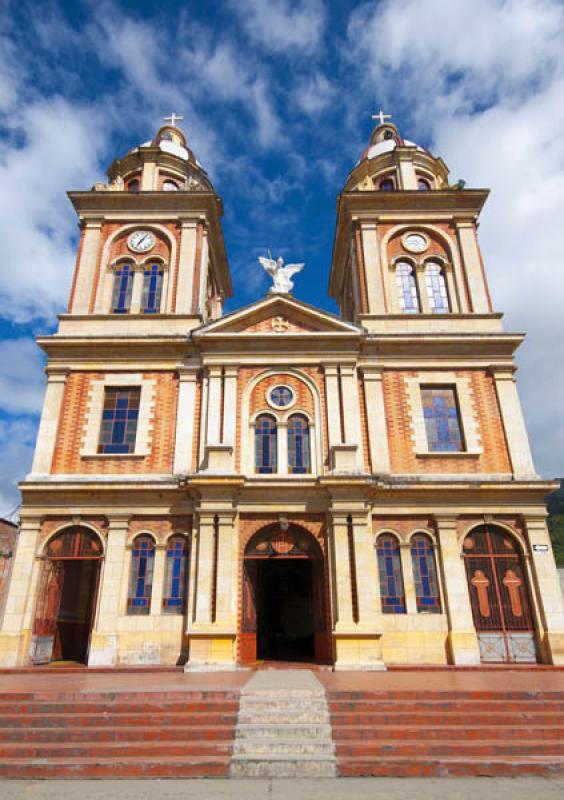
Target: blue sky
x,y
277,100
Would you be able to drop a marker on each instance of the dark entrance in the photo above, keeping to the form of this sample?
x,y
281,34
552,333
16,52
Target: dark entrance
x,y
67,597
284,609
285,623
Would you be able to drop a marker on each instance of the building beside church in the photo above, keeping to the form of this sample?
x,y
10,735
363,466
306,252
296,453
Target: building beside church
x,y
279,483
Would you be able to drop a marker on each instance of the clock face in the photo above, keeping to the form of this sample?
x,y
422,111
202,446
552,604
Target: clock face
x,y
415,242
141,241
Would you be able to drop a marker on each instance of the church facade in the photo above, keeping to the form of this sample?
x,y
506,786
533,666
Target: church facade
x,y
279,483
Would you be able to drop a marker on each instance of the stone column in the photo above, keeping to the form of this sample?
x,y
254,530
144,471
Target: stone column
x,y
408,580
86,268
186,259
104,640
229,405
158,580
422,289
374,278
185,420
214,405
547,590
342,600
462,638
137,291
366,570
376,420
514,424
448,271
204,568
47,433
351,411
333,404
408,176
475,277
227,563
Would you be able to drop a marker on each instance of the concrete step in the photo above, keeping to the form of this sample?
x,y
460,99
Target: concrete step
x,y
281,766
261,747
296,716
278,729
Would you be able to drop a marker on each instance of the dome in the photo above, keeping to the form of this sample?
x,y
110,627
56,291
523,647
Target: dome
x,y
384,139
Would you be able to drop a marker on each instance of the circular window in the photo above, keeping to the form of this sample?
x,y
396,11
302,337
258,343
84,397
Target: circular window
x,y
170,186
281,396
415,242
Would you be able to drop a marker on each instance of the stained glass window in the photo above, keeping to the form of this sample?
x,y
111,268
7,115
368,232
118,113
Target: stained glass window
x,y
152,289
174,595
281,396
299,453
442,418
133,186
423,185
123,286
425,574
435,284
266,445
407,288
387,185
391,579
141,576
119,420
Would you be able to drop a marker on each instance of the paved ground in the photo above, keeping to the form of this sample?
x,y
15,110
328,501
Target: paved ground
x,y
443,680
321,789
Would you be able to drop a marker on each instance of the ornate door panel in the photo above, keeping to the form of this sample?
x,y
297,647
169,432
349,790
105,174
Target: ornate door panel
x,y
49,597
499,596
248,635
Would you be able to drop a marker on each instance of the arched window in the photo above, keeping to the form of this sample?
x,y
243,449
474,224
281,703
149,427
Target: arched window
x,y
408,298
387,185
391,579
133,186
299,452
123,285
425,574
152,289
266,459
435,284
174,594
141,576
423,185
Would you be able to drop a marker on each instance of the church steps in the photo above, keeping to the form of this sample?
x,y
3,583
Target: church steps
x,y
97,749
446,747
118,767
117,734
466,766
352,733
443,718
117,707
92,720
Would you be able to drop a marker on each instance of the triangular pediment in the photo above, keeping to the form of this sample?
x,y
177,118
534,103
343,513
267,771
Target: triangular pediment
x,y
278,314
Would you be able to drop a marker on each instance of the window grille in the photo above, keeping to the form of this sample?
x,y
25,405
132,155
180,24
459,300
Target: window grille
x,y
174,595
266,445
152,289
299,450
425,574
119,420
442,419
141,576
408,298
123,287
391,579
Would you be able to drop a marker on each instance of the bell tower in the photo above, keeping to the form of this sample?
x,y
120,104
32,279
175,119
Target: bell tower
x,y
151,244
406,252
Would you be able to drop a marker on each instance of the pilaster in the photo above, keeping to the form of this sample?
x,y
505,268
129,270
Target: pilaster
x,y
186,260
547,590
462,638
185,420
376,420
47,433
514,424
86,267
475,277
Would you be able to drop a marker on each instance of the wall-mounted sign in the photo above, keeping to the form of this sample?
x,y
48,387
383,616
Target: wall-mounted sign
x,y
540,548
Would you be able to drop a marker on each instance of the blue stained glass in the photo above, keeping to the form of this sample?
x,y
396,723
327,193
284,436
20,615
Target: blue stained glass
x,y
425,574
123,286
141,576
266,445
435,284
152,289
175,575
299,450
281,396
119,420
391,579
442,419
408,298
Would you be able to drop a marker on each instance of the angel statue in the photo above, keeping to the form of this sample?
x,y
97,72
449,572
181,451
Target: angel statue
x,y
281,283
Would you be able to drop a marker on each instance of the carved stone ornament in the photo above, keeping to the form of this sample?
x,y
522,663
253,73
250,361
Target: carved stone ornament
x,y
280,274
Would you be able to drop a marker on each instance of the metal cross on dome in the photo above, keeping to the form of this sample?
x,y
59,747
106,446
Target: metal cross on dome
x,y
381,116
173,118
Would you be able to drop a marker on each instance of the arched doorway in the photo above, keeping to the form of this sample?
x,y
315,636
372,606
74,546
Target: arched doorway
x,y
499,594
284,610
67,597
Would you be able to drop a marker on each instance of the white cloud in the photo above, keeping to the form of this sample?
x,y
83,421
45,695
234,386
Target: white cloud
x,y
22,382
489,93
314,94
17,440
279,25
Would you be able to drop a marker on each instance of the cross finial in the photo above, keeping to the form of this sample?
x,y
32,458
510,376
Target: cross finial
x,y
173,119
381,117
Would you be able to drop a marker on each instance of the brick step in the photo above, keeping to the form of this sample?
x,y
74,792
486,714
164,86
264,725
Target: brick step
x,y
347,733
117,734
143,696
118,767
450,696
133,719
95,749
445,718
485,748
416,766
88,707
492,707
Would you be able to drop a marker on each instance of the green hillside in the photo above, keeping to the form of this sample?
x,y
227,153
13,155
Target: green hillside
x,y
555,506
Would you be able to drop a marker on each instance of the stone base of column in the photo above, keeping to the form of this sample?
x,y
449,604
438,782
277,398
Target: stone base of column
x,y
358,651
14,649
103,650
552,648
463,648
219,458
211,652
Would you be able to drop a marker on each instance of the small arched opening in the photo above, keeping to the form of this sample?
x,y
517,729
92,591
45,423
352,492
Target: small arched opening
x,y
499,595
284,599
66,599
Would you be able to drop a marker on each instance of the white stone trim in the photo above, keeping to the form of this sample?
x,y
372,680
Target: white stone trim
x,y
468,420
95,405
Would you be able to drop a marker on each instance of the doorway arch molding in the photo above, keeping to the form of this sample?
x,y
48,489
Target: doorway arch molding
x,y
66,526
